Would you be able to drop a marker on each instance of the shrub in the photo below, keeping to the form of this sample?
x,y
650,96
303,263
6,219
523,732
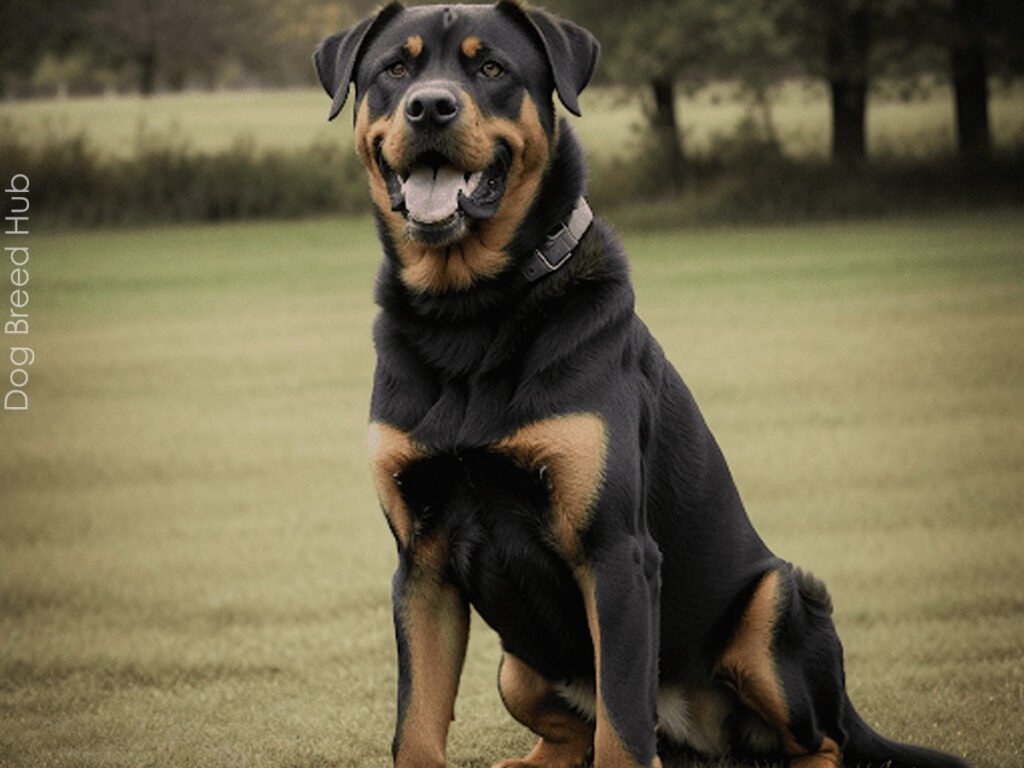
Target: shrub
x,y
164,181
742,178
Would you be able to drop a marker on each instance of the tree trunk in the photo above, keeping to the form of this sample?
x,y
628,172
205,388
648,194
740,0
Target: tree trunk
x,y
667,138
849,118
970,80
146,60
849,43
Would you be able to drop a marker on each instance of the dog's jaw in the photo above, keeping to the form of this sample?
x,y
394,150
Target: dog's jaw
x,y
440,201
470,221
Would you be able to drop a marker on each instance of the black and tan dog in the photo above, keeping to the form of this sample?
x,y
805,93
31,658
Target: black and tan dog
x,y
535,454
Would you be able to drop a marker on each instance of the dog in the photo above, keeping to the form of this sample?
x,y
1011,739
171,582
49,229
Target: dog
x,y
535,454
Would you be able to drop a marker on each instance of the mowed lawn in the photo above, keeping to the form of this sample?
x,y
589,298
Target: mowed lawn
x,y
194,570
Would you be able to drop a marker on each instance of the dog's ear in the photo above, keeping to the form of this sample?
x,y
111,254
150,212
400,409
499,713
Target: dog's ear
x,y
571,50
336,57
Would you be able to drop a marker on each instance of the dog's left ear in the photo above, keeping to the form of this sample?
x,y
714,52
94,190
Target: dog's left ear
x,y
571,50
336,57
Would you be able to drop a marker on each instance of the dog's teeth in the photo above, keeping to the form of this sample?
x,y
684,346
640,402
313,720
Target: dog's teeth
x,y
472,182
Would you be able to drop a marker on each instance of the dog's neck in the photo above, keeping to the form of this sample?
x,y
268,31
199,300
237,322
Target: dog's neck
x,y
563,186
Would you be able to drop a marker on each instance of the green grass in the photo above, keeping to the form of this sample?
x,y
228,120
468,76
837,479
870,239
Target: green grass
x,y
194,572
293,119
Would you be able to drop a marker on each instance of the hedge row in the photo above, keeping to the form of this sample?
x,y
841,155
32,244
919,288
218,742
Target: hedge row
x,y
73,185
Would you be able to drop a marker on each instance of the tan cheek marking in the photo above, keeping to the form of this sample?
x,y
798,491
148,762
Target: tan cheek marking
x,y
481,254
471,46
531,154
391,451
414,45
572,450
366,135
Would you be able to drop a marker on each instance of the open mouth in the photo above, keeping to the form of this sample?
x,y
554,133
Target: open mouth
x,y
439,199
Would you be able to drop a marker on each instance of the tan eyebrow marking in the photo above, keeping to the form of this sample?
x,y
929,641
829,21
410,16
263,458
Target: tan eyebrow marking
x,y
471,46
414,45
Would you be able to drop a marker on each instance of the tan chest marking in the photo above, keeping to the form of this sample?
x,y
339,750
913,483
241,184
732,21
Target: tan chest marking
x,y
572,451
391,451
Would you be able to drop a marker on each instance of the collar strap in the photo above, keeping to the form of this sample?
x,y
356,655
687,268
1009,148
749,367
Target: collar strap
x,y
556,250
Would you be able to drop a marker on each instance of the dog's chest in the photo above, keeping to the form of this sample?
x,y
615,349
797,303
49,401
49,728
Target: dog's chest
x,y
502,517
548,474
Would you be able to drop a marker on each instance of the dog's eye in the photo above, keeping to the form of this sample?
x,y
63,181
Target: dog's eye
x,y
492,69
398,69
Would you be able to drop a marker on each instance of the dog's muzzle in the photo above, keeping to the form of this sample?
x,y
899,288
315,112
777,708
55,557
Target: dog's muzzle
x,y
438,195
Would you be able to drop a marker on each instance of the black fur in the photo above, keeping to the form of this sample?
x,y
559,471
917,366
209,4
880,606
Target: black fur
x,y
675,565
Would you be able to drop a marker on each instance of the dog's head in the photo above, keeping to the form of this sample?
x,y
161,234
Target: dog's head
x,y
455,122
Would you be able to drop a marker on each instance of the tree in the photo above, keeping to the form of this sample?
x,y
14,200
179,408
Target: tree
x,y
848,46
833,39
969,69
757,52
171,42
656,46
30,29
984,37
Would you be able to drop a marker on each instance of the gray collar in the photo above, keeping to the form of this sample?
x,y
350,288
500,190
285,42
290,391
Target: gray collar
x,y
556,250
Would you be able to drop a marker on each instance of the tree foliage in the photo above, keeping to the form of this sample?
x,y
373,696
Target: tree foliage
x,y
663,49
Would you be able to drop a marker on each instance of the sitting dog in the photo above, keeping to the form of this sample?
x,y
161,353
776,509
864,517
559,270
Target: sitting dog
x,y
535,455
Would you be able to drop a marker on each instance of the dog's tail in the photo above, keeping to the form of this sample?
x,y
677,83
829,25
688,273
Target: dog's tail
x,y
867,749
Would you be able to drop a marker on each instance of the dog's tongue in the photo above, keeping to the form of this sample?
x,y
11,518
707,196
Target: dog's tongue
x,y
432,194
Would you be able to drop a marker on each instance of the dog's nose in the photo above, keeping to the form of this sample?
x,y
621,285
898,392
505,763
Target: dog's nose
x,y
431,107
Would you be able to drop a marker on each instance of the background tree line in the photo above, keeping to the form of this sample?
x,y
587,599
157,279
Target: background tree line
x,y
667,45
666,48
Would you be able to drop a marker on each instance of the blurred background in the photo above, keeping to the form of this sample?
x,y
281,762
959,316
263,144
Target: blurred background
x,y
141,110
823,203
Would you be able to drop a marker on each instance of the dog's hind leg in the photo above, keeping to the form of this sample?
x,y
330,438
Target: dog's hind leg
x,y
785,663
565,737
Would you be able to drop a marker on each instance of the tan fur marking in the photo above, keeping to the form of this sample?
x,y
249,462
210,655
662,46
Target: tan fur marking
x,y
366,135
709,708
564,740
828,756
391,451
749,661
414,45
572,449
471,46
481,253
436,623
609,751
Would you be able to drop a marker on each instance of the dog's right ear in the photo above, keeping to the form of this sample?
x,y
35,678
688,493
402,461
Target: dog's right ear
x,y
336,57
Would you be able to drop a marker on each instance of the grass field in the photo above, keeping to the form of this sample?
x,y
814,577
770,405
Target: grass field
x,y
194,571
297,118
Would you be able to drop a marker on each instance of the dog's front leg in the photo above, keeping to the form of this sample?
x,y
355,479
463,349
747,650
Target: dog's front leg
x,y
620,590
431,629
